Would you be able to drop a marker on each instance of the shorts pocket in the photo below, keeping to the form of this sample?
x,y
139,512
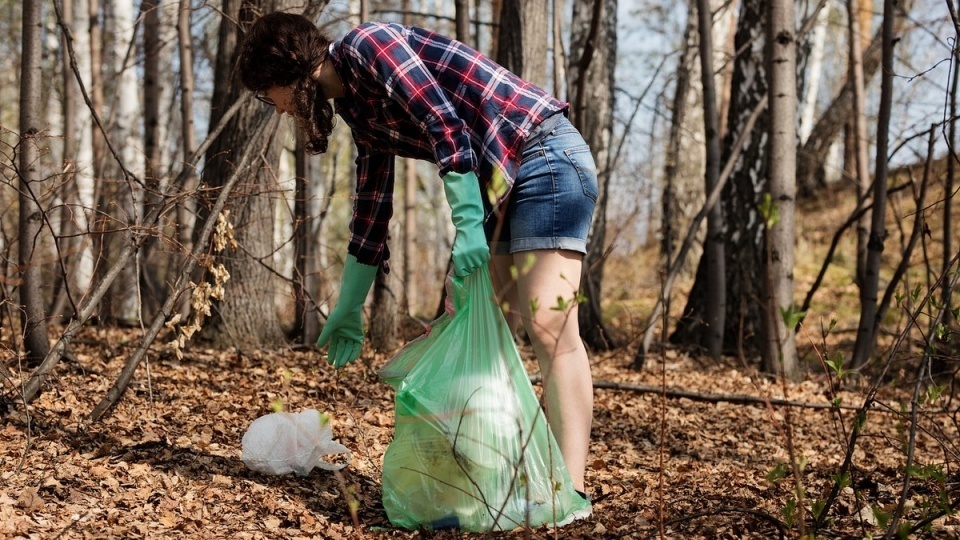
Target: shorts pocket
x,y
582,160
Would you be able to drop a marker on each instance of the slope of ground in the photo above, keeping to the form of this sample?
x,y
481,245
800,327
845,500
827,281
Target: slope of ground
x,y
166,463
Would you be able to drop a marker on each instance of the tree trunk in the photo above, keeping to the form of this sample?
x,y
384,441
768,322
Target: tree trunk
x,y
559,55
306,326
124,200
672,208
462,16
855,140
867,329
185,208
715,307
33,316
743,235
941,365
522,39
247,315
779,350
593,58
69,239
408,296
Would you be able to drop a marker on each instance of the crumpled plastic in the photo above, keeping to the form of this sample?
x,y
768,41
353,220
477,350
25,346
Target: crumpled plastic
x,y
283,442
472,449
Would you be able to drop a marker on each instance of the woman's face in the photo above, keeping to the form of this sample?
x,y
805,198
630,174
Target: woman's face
x,y
281,97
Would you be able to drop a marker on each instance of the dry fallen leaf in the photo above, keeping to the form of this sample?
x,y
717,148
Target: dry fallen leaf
x,y
30,499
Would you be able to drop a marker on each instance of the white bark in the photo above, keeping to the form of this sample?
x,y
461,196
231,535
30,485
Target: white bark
x,y
85,192
814,69
128,115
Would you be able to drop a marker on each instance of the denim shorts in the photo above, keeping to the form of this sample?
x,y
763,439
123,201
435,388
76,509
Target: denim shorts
x,y
553,197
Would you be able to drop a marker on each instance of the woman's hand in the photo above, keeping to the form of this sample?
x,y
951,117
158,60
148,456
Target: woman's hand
x,y
343,330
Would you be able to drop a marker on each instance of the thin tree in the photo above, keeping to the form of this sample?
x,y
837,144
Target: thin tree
x,y
188,133
716,300
855,141
559,55
867,328
33,315
779,351
940,365
408,295
306,325
68,230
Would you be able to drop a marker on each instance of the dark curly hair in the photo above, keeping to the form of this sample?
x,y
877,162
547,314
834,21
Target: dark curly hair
x,y
284,49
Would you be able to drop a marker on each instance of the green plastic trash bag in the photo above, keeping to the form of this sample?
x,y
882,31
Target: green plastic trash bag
x,y
472,448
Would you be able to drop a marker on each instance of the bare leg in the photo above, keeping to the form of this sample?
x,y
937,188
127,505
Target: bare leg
x,y
545,276
505,287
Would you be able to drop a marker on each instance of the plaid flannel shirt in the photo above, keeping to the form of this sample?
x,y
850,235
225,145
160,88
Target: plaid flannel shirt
x,y
414,93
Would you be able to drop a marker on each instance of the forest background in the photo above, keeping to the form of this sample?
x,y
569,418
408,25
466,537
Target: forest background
x,y
780,229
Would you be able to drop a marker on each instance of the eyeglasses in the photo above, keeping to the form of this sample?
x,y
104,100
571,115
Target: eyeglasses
x,y
263,97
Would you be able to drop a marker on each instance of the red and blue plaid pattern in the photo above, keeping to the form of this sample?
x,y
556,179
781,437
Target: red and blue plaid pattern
x,y
414,93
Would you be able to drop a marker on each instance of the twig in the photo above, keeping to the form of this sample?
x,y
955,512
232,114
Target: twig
x,y
663,410
734,509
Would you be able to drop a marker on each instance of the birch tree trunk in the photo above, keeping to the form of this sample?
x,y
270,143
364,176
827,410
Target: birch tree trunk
x,y
779,350
33,320
814,70
124,201
867,328
593,53
247,315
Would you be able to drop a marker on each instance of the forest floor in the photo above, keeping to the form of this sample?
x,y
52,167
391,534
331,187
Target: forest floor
x,y
166,462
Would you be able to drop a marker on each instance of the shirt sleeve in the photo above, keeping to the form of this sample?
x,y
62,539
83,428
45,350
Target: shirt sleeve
x,y
382,52
372,207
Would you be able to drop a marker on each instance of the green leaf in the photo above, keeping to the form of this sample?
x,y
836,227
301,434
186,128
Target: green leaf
x,y
934,392
842,479
792,316
561,305
882,517
790,512
769,210
818,507
277,405
778,473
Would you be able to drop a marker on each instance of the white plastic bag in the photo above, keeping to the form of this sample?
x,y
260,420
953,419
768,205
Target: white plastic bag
x,y
280,443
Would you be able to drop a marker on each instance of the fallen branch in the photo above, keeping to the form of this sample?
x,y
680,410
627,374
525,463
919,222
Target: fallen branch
x,y
740,399
734,510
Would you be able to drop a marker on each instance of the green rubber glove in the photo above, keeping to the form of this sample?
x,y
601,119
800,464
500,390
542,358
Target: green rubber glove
x,y
344,327
470,250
